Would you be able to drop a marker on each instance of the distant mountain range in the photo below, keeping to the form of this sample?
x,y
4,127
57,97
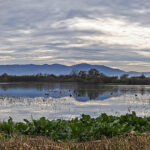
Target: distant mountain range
x,y
58,69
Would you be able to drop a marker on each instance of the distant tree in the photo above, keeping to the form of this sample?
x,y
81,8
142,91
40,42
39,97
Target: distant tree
x,y
124,77
4,75
74,72
82,74
142,76
93,73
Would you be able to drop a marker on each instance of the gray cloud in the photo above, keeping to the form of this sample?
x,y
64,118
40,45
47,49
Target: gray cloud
x,y
115,33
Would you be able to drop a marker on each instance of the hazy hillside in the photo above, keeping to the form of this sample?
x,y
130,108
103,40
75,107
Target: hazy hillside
x,y
58,69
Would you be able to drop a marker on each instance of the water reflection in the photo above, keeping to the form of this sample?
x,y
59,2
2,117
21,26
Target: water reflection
x,y
80,92
68,100
68,107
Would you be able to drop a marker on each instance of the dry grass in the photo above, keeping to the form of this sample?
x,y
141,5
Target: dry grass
x,y
128,142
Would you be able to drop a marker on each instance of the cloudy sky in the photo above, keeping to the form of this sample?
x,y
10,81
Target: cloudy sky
x,y
114,33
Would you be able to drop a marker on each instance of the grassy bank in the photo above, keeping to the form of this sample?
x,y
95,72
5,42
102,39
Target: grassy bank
x,y
78,129
125,142
106,132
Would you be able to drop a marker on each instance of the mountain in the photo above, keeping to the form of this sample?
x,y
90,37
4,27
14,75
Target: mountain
x,y
103,69
58,69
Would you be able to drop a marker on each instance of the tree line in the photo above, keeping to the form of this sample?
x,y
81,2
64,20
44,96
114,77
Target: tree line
x,y
92,76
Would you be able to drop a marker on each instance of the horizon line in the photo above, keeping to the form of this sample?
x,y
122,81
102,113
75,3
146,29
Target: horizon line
x,y
73,65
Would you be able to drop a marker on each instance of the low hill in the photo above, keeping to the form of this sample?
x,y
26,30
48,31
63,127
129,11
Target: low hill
x,y
58,69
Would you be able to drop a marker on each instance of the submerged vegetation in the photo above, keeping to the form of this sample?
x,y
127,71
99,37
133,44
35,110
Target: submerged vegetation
x,y
92,76
78,129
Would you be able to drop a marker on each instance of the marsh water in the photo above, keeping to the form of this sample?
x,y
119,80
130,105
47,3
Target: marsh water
x,y
69,100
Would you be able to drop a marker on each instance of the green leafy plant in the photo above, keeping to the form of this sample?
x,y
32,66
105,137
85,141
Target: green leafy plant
x,y
78,129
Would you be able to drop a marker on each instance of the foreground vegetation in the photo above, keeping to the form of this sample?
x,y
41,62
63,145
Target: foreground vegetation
x,y
126,132
92,76
78,130
124,142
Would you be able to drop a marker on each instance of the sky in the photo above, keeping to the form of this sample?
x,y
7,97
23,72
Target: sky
x,y
115,33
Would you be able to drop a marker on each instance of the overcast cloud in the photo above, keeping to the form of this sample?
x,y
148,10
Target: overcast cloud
x,y
114,33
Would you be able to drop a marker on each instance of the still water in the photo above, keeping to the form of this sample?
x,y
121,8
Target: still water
x,y
69,100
